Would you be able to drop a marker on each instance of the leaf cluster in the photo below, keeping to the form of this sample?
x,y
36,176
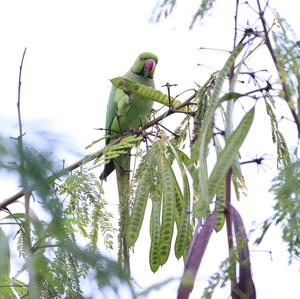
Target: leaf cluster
x,y
55,262
286,189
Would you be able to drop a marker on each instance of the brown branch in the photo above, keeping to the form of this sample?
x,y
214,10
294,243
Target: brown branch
x,y
27,193
19,98
68,169
169,112
91,157
197,248
228,217
22,171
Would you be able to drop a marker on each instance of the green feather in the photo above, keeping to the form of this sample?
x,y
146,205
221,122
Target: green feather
x,y
124,112
127,111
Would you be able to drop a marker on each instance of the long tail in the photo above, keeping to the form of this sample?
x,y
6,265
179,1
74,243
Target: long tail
x,y
122,166
108,169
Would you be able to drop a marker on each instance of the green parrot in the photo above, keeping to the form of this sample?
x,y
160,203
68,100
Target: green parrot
x,y
125,112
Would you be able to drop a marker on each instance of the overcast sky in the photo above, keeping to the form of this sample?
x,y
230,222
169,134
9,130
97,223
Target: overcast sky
x,y
74,48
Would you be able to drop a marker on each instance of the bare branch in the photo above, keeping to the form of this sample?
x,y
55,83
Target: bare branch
x,y
27,193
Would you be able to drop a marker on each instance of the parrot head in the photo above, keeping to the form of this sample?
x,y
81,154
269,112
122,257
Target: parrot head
x,y
145,65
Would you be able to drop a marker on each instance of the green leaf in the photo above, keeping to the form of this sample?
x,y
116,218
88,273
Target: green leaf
x,y
6,291
220,202
184,218
200,147
155,232
168,208
146,180
126,143
138,210
286,190
145,92
231,96
277,137
20,288
226,157
4,255
205,6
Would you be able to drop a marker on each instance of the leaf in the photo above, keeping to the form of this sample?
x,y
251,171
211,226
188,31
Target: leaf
x,y
231,96
199,150
146,177
220,201
6,291
205,6
163,8
202,97
286,190
226,157
168,208
85,209
4,255
138,210
20,288
155,233
115,150
287,54
94,142
277,137
145,92
184,219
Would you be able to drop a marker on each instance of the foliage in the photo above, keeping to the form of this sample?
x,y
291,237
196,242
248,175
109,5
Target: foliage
x,y
286,189
186,172
287,51
164,8
86,208
205,6
55,262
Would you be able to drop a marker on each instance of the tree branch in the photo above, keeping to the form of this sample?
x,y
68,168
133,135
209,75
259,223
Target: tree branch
x,y
228,217
278,67
97,154
27,193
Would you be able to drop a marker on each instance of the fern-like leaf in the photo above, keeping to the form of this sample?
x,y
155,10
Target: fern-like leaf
x,y
277,137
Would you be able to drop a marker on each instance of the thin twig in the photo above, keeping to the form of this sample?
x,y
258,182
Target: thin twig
x,y
60,173
278,67
169,112
235,22
20,138
168,85
27,192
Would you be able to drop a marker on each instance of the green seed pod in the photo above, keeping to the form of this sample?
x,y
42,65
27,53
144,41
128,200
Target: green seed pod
x,y
138,211
168,209
155,233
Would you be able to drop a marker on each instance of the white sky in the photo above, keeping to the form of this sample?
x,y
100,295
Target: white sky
x,y
74,47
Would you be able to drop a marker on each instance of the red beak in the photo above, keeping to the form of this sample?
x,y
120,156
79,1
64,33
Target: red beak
x,y
149,65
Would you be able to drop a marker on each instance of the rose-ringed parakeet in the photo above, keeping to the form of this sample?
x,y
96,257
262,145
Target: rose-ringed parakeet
x,y
125,112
